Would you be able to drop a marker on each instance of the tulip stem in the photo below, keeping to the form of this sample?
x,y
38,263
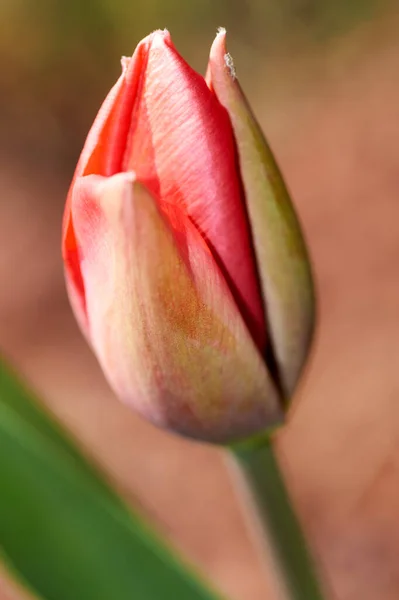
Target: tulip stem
x,y
282,534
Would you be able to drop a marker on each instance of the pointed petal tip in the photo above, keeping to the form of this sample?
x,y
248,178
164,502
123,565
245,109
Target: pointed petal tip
x,y
218,48
157,38
216,55
125,60
220,60
162,33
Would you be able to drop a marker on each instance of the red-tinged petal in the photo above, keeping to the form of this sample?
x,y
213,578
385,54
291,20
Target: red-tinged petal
x,y
163,322
282,258
182,147
102,155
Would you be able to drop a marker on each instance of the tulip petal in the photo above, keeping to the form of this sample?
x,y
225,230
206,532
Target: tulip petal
x,y
182,148
102,155
281,253
163,322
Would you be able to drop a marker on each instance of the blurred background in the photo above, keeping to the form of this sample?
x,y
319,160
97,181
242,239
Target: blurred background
x,y
323,78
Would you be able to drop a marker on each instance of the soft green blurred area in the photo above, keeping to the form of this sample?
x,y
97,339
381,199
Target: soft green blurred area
x,y
58,58
73,525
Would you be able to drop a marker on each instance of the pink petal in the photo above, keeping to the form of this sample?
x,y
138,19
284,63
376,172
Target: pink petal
x,y
181,146
163,322
102,155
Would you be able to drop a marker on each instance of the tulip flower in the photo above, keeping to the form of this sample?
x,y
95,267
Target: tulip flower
x,y
184,262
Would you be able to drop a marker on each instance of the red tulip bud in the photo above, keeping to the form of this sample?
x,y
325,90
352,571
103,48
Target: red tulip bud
x,y
158,246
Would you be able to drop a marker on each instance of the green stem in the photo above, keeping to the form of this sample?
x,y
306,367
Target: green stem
x,y
281,530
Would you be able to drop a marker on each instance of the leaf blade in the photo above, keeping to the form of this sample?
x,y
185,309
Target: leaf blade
x,y
64,530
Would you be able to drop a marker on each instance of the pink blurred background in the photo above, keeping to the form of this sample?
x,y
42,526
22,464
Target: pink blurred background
x,y
324,82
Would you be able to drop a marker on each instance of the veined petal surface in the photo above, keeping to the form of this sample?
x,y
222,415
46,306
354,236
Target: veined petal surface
x,y
162,320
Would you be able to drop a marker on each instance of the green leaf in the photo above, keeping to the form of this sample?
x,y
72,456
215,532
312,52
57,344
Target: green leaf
x,y
63,531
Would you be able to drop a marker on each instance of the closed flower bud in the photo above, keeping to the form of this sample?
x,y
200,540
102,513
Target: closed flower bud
x,y
171,256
